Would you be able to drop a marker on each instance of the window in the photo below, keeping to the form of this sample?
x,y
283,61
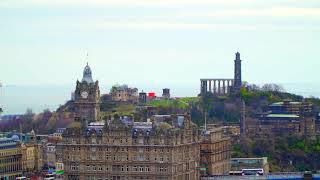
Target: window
x,y
100,168
141,157
74,167
147,168
93,157
163,169
161,158
135,168
141,168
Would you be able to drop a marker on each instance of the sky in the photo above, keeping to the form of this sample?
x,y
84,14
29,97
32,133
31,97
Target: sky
x,y
158,42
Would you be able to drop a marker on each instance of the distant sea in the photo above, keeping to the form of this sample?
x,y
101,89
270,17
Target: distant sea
x,y
15,99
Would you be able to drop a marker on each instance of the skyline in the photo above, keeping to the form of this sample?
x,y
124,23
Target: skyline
x,y
156,44
16,99
152,42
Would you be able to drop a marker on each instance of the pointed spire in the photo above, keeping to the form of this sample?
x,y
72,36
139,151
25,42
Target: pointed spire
x,y
87,74
237,56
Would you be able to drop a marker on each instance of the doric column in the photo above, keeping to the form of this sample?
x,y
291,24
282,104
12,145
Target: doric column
x,y
219,87
202,87
205,86
224,86
210,85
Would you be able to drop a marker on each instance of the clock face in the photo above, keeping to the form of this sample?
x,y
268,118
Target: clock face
x,y
84,94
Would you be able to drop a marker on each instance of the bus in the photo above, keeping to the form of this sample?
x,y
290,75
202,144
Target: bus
x,y
256,172
21,178
235,173
50,176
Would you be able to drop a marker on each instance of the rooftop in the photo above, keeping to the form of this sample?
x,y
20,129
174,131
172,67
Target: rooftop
x,y
282,116
281,103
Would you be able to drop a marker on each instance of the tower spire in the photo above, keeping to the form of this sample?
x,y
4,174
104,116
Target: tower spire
x,y
238,56
237,73
87,74
87,57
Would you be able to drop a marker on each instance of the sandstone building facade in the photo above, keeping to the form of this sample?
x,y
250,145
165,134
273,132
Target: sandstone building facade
x,y
10,158
123,93
285,118
215,152
32,155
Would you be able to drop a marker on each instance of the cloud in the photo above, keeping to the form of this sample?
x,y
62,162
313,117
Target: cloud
x,y
101,25
101,3
90,3
163,25
172,25
271,12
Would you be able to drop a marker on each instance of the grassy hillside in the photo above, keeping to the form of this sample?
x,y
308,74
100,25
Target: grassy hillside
x,y
179,103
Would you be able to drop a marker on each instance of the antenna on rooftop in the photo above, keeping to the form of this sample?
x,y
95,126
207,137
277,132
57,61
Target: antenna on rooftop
x,y
87,57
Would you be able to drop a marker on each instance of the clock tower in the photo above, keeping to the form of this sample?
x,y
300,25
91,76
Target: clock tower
x,y
87,98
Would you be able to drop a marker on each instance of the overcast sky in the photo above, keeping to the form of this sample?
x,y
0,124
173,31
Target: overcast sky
x,y
167,42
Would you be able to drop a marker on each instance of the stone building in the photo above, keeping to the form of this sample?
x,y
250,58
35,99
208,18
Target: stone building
x,y
284,118
310,127
238,164
32,155
10,158
123,149
142,98
223,86
166,93
317,124
290,107
123,93
50,151
132,150
215,152
87,98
